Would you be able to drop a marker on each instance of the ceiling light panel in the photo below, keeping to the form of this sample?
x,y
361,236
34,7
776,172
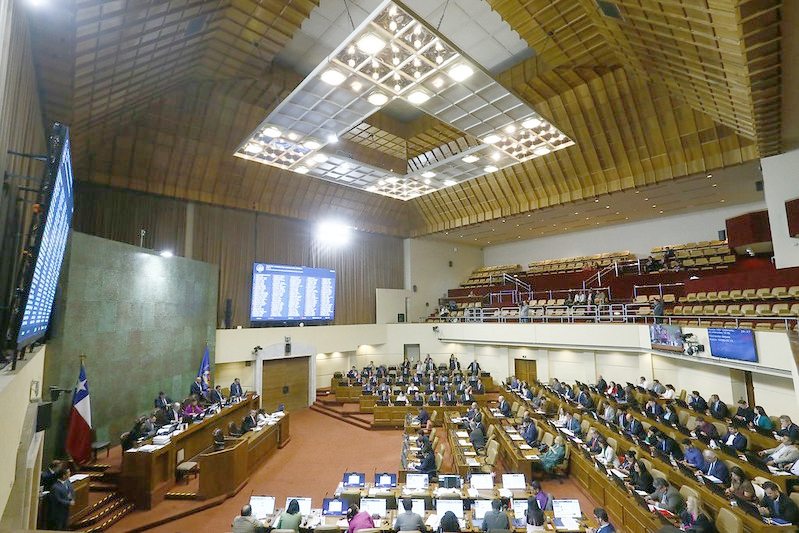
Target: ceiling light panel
x,y
392,54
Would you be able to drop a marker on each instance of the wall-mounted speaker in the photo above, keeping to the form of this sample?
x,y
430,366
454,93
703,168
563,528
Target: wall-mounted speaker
x,y
44,415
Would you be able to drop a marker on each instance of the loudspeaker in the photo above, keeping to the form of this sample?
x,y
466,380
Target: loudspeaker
x,y
722,234
228,313
44,415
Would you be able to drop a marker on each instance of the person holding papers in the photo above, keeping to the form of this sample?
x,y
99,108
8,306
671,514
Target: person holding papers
x,y
250,421
554,455
572,424
358,519
408,521
777,505
786,452
714,468
496,518
665,496
601,517
246,522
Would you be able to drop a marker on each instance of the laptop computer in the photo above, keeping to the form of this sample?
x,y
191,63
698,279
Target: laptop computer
x,y
448,504
262,506
417,481
374,506
385,480
567,513
757,461
418,506
748,507
479,510
514,482
354,479
519,510
334,507
481,481
305,504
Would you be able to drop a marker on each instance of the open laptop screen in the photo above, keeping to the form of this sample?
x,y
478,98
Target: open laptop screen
x,y
447,504
354,479
305,504
374,506
513,481
482,481
385,480
418,506
480,508
566,508
334,507
519,507
417,481
262,506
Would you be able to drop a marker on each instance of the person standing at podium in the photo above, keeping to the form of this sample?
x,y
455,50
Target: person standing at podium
x,y
59,500
235,389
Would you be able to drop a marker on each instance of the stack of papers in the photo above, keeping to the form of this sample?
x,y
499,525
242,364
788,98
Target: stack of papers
x,y
532,456
516,436
525,446
472,461
462,434
464,442
567,523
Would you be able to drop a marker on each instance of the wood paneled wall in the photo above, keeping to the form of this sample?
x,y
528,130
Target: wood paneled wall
x,y
234,239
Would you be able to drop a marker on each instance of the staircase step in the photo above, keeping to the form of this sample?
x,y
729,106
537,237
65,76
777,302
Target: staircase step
x,y
357,422
180,496
102,510
113,519
95,467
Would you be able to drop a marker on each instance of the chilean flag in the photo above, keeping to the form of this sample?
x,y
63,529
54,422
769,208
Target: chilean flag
x,y
79,430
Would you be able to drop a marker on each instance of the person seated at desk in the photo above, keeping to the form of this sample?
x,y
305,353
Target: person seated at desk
x,y
449,523
193,409
653,409
478,387
640,478
250,421
609,414
529,431
496,518
775,504
612,389
412,388
650,437
787,426
740,486
734,439
692,455
706,428
149,426
716,408
477,436
601,517
162,402
572,424
669,393
714,467
534,515
467,397
247,523
544,499
449,397
568,392
658,387
219,440
670,416
385,397
668,446
434,398
632,425
401,399
694,518
428,463
696,402
786,452
608,455
554,455
665,496
291,517
628,462
473,411
358,519
216,395
353,373
408,521
417,398
761,420
744,414
423,417
584,399
175,415
235,389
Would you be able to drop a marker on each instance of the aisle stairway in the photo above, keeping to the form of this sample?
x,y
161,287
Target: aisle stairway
x,y
110,506
327,404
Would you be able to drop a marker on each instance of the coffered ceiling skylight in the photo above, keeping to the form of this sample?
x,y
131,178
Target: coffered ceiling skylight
x,y
395,55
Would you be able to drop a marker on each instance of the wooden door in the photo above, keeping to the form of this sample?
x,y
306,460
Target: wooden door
x,y
525,370
285,381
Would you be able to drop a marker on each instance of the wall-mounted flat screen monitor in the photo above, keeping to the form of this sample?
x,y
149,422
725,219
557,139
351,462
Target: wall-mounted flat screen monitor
x,y
291,294
736,344
666,337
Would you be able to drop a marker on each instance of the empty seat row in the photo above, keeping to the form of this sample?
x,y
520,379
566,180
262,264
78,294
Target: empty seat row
x,y
741,324
764,293
644,298
690,245
753,310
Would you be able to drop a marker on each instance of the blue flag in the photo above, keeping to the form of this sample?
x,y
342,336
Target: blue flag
x,y
205,371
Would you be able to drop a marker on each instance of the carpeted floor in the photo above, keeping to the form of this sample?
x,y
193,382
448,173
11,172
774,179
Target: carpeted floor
x,y
320,451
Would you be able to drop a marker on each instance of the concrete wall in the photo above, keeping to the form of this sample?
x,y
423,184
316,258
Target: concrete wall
x,y
142,321
781,183
390,304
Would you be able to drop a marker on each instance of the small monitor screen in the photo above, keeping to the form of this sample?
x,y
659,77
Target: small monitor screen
x,y
354,479
482,481
480,508
513,481
305,504
728,343
417,481
566,508
418,506
334,507
262,506
519,508
444,505
449,481
374,506
385,480
666,337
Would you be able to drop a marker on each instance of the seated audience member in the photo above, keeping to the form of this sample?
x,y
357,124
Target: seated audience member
x,y
408,521
162,402
423,416
693,455
609,413
529,431
235,389
554,455
734,438
477,436
694,518
246,522
601,517
593,440
632,425
665,496
572,424
696,402
449,523
496,518
761,420
504,406
358,519
608,455
669,393
401,399
657,387
640,478
534,515
785,452
788,427
250,421
668,446
584,398
775,504
653,409
714,466
706,428
291,517
716,408
175,415
544,499
193,408
670,416
744,414
740,486
428,463
449,397
628,461
562,417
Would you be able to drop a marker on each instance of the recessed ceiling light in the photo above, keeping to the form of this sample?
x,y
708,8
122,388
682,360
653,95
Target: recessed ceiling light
x,y
715,184
654,205
253,148
490,168
438,82
292,136
332,139
646,199
428,174
491,139
301,170
496,156
470,159
722,201
576,212
377,98
710,175
311,145
333,77
356,86
661,211
543,150
392,179
371,188
418,97
531,123
271,131
450,183
370,44
510,128
320,158
607,207
460,72
427,182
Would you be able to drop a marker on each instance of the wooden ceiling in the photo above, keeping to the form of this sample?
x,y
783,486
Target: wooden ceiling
x,y
159,94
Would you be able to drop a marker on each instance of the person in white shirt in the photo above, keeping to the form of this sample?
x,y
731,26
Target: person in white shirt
x,y
644,384
786,452
669,393
608,456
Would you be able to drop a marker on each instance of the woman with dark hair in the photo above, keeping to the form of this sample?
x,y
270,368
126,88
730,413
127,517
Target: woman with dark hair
x,y
291,518
761,419
358,519
740,486
534,516
640,478
449,523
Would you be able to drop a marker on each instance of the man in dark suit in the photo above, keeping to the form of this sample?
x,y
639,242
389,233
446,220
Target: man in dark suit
x,y
454,364
775,504
584,399
216,395
197,388
250,421
669,446
734,439
235,389
162,402
653,409
696,402
714,467
449,397
633,426
601,385
529,432
745,414
572,424
504,406
477,436
787,427
59,500
428,464
50,474
474,368
717,408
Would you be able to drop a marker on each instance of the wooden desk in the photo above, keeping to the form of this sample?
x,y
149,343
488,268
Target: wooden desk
x,y
223,471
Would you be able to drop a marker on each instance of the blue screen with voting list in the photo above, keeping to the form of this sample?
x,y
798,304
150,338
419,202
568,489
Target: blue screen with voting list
x,y
285,293
737,344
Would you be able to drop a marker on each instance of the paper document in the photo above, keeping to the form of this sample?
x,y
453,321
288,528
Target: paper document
x,y
525,446
464,442
462,434
567,523
77,477
472,461
505,493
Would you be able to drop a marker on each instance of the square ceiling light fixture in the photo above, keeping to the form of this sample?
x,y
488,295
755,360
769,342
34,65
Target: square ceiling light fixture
x,y
393,54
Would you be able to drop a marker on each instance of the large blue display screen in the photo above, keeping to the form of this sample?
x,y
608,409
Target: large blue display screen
x,y
292,293
50,254
738,344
